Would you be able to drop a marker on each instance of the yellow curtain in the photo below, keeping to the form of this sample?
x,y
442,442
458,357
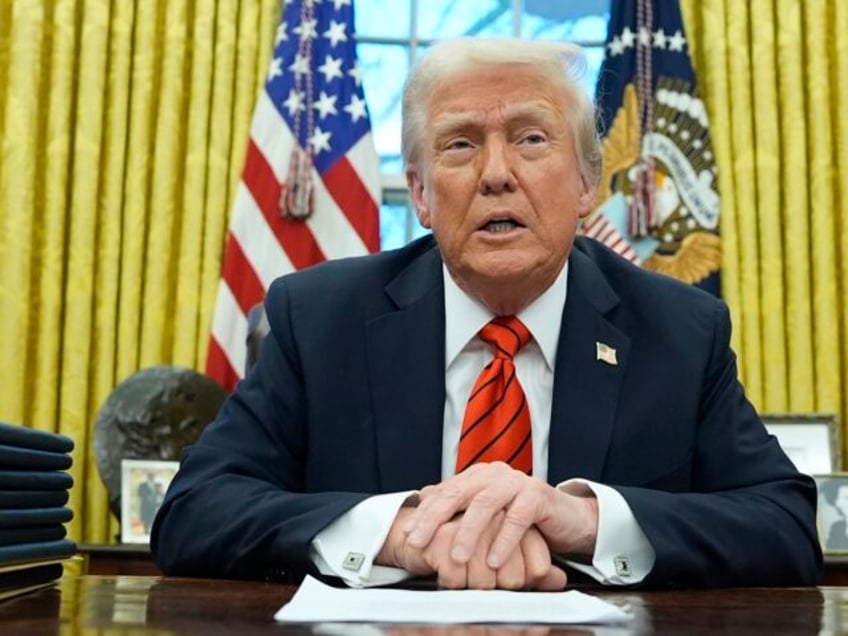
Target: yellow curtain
x,y
774,75
123,128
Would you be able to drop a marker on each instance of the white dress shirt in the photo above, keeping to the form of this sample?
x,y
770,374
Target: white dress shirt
x,y
623,555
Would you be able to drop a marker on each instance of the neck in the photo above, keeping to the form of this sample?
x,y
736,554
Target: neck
x,y
504,298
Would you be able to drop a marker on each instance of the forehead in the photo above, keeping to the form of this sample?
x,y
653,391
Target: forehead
x,y
496,88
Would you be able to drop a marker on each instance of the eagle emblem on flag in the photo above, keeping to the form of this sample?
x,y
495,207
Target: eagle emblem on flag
x,y
659,203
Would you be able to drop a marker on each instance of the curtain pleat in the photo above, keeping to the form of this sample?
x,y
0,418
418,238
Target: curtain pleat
x,y
80,297
164,220
769,236
189,275
794,215
838,74
218,160
51,217
822,205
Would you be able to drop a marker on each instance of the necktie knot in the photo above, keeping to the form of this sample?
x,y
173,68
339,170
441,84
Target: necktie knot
x,y
506,335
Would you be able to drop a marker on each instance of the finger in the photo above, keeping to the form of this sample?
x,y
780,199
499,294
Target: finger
x,y
478,518
511,574
440,503
451,575
480,575
439,508
537,558
554,581
525,510
491,500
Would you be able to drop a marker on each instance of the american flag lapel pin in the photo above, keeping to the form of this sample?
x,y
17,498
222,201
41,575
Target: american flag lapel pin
x,y
606,353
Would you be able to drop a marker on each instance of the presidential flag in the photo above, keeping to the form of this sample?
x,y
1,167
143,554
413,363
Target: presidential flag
x,y
310,187
658,197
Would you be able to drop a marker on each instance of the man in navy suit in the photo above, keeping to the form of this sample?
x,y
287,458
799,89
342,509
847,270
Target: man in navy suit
x,y
337,455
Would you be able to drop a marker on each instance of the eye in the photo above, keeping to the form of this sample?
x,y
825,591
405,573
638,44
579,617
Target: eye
x,y
459,143
534,138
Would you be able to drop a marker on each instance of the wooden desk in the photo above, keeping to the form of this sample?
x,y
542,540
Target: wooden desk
x,y
136,604
137,560
117,559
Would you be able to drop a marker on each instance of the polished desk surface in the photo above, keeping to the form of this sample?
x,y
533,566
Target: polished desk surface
x,y
139,604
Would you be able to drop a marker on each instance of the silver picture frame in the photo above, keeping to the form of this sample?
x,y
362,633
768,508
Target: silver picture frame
x,y
832,512
811,440
143,486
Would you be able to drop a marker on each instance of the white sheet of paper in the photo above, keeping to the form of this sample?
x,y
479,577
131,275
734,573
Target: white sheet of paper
x,y
316,602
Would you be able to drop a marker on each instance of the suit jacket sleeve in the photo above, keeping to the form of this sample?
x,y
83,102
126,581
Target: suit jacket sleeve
x,y
748,517
239,506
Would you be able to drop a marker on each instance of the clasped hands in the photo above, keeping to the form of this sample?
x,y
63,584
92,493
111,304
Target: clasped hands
x,y
492,527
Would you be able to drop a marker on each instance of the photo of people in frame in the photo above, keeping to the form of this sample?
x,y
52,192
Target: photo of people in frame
x,y
143,486
833,512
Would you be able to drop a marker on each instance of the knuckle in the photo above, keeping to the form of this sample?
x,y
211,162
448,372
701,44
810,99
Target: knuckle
x,y
510,581
450,580
485,499
515,518
537,570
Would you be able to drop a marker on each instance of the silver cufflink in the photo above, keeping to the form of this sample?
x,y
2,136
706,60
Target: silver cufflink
x,y
622,566
353,561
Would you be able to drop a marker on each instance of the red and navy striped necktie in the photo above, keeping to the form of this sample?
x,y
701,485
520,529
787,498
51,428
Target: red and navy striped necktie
x,y
496,426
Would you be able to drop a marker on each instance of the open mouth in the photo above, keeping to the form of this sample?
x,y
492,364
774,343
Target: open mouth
x,y
501,225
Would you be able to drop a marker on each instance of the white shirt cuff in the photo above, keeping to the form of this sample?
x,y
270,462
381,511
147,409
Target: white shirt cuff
x,y
623,554
348,546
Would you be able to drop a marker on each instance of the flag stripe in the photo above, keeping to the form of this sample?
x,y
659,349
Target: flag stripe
x,y
245,286
231,335
218,366
250,228
344,186
365,162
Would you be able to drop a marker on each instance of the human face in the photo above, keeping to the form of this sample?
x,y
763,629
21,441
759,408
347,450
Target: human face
x,y
498,182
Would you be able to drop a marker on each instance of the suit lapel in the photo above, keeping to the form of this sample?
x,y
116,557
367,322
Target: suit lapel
x,y
406,362
586,389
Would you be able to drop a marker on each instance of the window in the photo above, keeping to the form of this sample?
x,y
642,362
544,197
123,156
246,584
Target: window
x,y
392,33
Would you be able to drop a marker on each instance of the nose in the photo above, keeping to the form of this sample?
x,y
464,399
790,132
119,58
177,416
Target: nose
x,y
496,174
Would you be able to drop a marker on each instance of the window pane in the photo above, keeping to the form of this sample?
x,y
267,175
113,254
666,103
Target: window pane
x,y
384,68
382,18
398,223
584,21
594,58
393,220
449,18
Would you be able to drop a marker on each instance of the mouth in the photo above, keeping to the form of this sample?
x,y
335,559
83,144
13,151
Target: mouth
x,y
500,225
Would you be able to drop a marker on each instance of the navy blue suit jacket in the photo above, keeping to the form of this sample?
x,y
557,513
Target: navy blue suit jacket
x,y
347,400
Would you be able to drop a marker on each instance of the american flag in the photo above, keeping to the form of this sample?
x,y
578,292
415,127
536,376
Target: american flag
x,y
311,184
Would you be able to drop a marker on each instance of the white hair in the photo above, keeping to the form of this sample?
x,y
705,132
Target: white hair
x,y
561,63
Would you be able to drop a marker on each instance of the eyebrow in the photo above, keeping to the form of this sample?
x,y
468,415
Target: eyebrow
x,y
536,111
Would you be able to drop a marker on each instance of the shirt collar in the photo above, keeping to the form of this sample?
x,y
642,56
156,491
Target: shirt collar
x,y
465,316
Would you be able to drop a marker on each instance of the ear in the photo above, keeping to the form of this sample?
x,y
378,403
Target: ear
x,y
586,200
416,191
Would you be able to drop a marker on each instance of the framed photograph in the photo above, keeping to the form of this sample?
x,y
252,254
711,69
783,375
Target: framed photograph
x,y
143,486
810,440
832,520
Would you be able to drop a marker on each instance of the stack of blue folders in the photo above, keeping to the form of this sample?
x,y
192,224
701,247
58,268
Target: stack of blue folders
x,y
33,496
